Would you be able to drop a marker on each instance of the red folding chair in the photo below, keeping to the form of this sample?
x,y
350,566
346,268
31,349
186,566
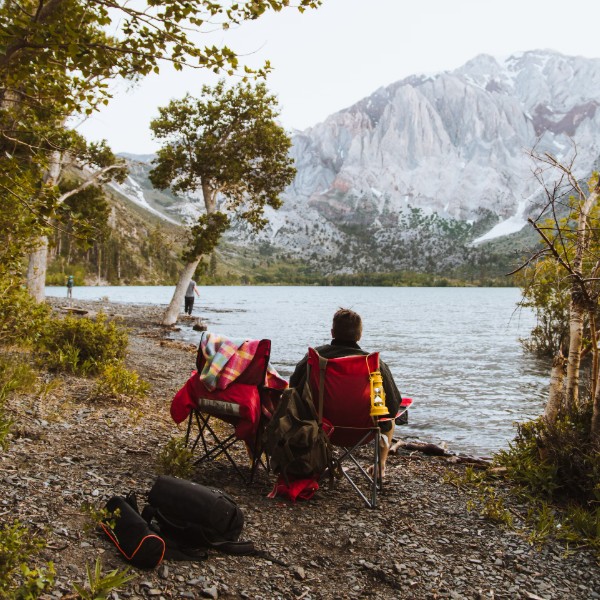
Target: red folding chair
x,y
342,387
246,403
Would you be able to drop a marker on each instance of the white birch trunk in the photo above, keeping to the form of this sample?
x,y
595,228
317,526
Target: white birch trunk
x,y
578,299
574,360
172,313
36,270
38,258
557,392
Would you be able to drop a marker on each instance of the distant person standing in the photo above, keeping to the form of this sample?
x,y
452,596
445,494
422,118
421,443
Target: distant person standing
x,y
70,284
189,297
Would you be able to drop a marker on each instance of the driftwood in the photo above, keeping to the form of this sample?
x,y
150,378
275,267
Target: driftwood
x,y
435,450
424,447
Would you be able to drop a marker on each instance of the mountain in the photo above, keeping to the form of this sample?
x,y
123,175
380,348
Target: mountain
x,y
422,172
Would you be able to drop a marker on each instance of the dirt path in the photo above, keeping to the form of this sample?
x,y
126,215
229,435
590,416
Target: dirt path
x,y
421,543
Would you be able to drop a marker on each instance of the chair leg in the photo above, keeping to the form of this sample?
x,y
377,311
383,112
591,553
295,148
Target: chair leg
x,y
373,479
219,446
377,478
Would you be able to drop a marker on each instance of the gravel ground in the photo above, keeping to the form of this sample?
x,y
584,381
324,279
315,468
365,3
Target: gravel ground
x,y
422,542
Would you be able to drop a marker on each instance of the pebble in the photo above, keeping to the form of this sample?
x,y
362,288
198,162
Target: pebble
x,y
210,592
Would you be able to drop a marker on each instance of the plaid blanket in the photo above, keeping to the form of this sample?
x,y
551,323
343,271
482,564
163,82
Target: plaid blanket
x,y
226,359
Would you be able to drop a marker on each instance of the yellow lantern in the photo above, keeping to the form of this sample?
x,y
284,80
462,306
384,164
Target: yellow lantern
x,y
378,408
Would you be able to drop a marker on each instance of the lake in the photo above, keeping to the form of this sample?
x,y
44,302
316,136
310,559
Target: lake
x,y
455,351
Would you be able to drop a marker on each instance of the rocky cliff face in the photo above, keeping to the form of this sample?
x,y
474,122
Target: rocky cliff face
x,y
457,141
411,175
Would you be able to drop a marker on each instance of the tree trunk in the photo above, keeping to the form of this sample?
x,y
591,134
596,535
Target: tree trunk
x,y
172,312
574,360
36,270
38,264
557,392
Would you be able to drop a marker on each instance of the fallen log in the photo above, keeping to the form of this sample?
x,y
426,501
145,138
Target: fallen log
x,y
435,450
424,447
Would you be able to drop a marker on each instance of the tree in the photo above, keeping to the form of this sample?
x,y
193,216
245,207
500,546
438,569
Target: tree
x,y
227,145
57,58
99,165
571,243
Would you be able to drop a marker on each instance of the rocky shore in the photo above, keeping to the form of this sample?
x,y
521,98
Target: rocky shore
x,y
423,541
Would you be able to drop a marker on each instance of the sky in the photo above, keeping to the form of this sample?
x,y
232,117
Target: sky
x,y
327,59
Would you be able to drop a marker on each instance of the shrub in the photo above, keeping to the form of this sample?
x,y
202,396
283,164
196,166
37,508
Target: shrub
x,y
555,462
176,459
557,470
82,345
21,319
115,381
17,579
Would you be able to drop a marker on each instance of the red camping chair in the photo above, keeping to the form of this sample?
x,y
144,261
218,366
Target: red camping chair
x,y
345,388
246,403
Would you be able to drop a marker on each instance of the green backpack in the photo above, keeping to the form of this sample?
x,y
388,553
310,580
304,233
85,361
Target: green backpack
x,y
294,440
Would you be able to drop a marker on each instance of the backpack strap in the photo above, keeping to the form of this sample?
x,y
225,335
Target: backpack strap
x,y
322,368
307,391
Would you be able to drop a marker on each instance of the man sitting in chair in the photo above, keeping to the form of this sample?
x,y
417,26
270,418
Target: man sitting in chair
x,y
346,332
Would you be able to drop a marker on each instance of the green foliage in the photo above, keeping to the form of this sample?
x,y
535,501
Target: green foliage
x,y
491,506
546,291
82,217
59,269
581,525
18,546
135,250
487,501
542,517
554,468
36,581
82,345
176,459
56,62
99,515
224,143
21,319
115,382
205,235
98,585
555,462
14,376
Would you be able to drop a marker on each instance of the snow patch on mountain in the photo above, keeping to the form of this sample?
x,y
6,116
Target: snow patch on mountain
x,y
133,191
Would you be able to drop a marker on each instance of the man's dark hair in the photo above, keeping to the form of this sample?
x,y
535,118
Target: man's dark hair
x,y
347,325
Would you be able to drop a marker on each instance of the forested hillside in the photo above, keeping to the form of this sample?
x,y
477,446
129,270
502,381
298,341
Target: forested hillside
x,y
130,247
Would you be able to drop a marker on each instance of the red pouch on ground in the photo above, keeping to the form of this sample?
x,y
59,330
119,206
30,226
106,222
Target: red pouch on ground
x,y
300,489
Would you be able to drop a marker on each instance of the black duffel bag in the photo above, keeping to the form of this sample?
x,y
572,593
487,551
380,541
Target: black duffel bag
x,y
196,515
131,534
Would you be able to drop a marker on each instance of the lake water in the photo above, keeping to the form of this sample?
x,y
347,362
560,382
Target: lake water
x,y
455,351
